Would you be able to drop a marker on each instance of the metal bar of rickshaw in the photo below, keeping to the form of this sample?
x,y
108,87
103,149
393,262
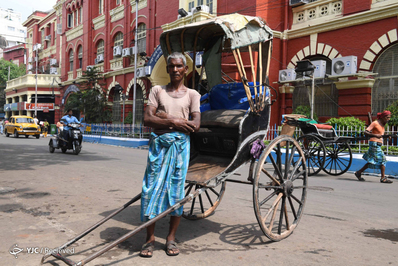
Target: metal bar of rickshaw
x,y
242,73
126,236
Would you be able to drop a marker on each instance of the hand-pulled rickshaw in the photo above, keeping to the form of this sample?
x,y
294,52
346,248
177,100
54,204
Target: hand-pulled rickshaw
x,y
231,138
324,149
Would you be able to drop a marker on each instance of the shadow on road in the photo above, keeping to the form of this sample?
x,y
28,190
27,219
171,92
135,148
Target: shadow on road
x,y
33,156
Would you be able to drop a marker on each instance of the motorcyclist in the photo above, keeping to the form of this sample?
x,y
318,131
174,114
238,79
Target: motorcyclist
x,y
68,119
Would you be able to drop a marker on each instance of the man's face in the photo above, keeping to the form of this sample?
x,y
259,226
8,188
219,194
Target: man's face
x,y
387,118
176,69
70,113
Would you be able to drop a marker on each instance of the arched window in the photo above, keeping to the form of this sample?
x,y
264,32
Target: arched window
x,y
326,94
139,106
119,39
116,107
80,56
141,38
100,47
71,60
385,89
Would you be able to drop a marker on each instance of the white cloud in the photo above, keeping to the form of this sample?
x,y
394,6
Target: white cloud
x,y
27,7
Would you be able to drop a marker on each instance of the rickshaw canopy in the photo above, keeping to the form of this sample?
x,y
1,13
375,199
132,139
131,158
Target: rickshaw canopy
x,y
234,34
236,31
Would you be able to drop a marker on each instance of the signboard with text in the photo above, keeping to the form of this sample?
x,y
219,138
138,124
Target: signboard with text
x,y
40,106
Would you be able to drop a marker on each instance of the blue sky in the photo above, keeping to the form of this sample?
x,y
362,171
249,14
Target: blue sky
x,y
27,7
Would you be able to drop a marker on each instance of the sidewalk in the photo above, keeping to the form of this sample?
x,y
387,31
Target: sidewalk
x,y
116,141
357,161
391,166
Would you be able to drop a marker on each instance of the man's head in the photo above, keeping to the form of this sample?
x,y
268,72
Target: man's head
x,y
385,116
176,66
69,112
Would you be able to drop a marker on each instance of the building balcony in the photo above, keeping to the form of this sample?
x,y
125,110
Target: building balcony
x,y
198,16
74,33
70,75
116,63
99,22
141,4
117,13
79,73
29,80
100,67
316,13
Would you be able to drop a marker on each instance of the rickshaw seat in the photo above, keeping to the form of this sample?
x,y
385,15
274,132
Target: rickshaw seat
x,y
222,118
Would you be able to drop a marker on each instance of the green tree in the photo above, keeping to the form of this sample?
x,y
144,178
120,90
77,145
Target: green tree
x,y
91,99
304,110
15,72
393,108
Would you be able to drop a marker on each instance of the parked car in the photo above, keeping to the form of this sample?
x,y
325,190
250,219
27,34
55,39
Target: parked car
x,y
22,125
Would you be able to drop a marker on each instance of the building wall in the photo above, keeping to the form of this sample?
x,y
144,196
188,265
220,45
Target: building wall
x,y
350,27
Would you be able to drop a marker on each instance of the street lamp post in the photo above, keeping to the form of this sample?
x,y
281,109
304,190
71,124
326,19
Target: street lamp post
x,y
36,59
135,62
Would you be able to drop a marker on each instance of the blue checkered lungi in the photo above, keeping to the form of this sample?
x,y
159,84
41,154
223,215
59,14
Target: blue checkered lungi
x,y
167,166
375,156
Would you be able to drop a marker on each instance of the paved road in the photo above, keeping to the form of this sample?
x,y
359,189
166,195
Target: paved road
x,y
46,199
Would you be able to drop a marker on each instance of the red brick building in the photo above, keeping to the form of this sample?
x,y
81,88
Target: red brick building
x,y
79,33
15,54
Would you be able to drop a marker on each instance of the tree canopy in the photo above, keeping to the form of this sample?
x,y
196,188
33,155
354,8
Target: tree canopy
x,y
15,72
90,100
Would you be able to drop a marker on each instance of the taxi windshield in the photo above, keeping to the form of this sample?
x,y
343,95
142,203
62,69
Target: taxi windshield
x,y
24,120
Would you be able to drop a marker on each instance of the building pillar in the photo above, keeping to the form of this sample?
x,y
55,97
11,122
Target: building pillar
x,y
286,96
355,98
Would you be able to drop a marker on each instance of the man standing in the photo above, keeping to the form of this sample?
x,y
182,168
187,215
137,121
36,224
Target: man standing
x,y
173,112
375,156
36,120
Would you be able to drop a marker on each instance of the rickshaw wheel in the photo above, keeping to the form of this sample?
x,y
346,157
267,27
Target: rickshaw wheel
x,y
314,152
279,188
205,204
338,158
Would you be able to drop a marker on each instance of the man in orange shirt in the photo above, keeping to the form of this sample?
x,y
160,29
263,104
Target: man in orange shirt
x,y
375,156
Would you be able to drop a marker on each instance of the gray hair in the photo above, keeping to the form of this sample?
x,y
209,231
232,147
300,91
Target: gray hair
x,y
177,55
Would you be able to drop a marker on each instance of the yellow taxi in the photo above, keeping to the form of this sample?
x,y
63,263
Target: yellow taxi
x,y
21,125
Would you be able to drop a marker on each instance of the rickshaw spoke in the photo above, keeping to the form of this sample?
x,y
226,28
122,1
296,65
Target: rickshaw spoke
x,y
276,168
215,192
296,199
189,190
267,198
192,206
292,207
273,209
281,216
270,176
286,217
208,197
287,165
201,203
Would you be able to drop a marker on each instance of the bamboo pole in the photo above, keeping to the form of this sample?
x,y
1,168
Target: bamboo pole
x,y
241,73
268,64
260,73
254,77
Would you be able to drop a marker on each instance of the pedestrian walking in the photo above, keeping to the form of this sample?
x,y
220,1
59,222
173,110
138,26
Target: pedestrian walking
x,y
46,125
168,111
375,156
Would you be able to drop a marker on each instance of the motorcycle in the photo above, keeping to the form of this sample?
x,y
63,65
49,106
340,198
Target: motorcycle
x,y
74,142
